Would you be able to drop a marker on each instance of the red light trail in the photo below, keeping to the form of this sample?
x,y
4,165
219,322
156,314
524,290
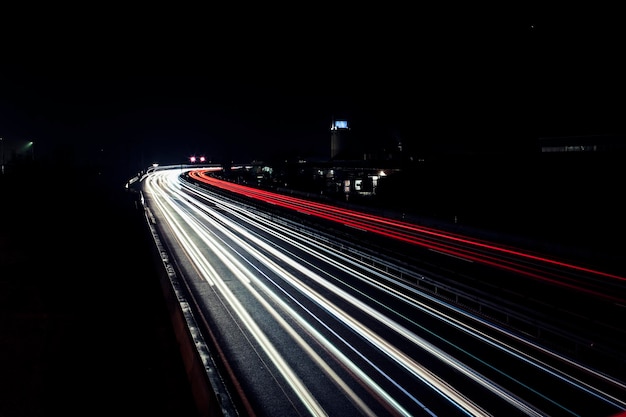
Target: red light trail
x,y
579,278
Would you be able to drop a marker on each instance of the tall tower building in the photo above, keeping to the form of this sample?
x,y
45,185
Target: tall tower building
x,y
339,139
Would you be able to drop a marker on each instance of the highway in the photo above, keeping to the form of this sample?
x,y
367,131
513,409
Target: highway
x,y
303,325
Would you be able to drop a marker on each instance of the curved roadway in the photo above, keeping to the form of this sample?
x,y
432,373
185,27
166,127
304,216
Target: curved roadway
x,y
304,330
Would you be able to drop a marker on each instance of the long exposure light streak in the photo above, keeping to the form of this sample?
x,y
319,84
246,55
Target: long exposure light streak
x,y
439,314
472,331
440,385
291,237
407,232
251,242
208,234
418,370
287,372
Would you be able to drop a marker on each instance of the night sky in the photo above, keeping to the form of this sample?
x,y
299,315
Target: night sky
x,y
241,83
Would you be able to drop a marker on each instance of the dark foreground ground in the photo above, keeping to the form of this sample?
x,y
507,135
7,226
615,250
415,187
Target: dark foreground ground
x,y
84,329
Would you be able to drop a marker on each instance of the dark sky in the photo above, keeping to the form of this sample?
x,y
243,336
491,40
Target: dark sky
x,y
241,83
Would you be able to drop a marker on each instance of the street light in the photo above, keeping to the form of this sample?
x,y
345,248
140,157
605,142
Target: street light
x,y
32,148
2,150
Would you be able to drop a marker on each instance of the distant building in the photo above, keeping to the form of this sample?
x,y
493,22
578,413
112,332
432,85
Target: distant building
x,y
340,140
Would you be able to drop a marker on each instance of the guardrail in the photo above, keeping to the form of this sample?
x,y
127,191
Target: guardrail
x,y
210,394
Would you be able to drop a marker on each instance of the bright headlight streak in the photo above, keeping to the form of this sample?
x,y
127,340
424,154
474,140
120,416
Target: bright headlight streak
x,y
462,326
331,348
204,268
513,351
430,379
340,356
473,331
237,269
290,376
438,314
440,385
321,339
414,368
499,345
309,350
507,348
434,313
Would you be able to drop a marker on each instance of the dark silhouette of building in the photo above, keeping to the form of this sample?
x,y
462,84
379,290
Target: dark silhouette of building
x,y
341,146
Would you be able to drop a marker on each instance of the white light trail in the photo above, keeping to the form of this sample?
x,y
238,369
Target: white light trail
x,y
238,245
301,242
250,242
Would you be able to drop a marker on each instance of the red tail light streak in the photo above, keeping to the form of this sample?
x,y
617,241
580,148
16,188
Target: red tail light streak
x,y
557,272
